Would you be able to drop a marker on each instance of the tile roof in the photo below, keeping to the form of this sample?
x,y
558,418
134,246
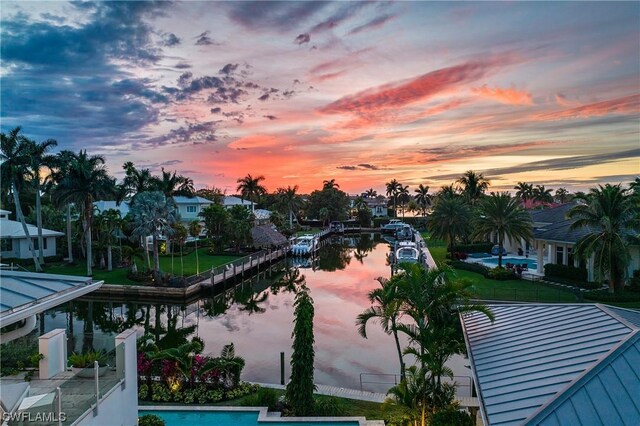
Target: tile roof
x,y
553,214
533,353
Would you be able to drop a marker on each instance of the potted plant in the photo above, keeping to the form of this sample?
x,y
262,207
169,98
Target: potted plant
x,y
82,364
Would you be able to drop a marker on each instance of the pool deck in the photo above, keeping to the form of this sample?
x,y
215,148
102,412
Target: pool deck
x,y
530,273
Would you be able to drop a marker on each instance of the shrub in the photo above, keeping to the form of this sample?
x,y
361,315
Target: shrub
x,y
160,393
472,267
329,407
451,417
484,247
501,274
143,391
634,281
140,277
86,360
460,255
265,397
605,296
565,272
150,420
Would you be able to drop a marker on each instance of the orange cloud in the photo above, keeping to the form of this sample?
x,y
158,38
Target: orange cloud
x,y
625,105
406,92
510,96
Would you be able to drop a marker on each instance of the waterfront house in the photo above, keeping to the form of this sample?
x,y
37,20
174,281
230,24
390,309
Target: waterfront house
x,y
14,243
190,207
229,201
552,364
58,394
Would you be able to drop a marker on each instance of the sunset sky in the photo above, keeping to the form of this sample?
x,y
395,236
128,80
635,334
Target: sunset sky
x,y
360,92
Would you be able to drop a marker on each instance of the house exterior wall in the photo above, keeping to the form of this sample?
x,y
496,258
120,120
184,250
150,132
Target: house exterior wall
x,y
634,264
21,248
189,216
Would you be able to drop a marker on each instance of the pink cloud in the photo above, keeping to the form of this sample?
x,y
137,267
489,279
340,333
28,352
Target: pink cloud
x,y
510,96
625,105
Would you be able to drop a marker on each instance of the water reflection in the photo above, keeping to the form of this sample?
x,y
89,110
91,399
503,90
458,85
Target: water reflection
x,y
257,316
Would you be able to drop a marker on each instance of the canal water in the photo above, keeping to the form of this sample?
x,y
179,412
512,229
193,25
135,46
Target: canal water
x,y
257,316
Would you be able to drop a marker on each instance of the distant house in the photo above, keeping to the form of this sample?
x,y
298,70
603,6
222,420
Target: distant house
x,y
14,243
551,364
190,207
102,206
229,201
378,206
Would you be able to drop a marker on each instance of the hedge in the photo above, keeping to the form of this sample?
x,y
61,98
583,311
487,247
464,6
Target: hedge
x,y
565,272
472,267
484,247
605,296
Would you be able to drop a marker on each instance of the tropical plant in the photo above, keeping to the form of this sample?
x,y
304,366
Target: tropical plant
x,y
447,191
524,191
393,186
85,180
423,198
39,159
299,392
251,188
404,197
359,203
333,200
473,185
111,222
502,215
608,214
449,220
386,310
330,184
15,151
87,359
562,195
194,230
289,197
240,224
542,194
137,180
153,214
370,193
172,184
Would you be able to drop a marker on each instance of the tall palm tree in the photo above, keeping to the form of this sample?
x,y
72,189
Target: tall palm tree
x,y
386,310
524,191
86,180
542,194
137,180
562,195
609,214
423,198
289,197
359,203
111,221
39,159
404,197
393,186
449,220
14,154
153,214
330,184
62,163
447,191
172,184
370,193
251,189
503,215
194,230
473,185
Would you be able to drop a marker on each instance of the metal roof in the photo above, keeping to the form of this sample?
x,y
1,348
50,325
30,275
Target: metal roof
x,y
533,353
23,294
12,229
179,199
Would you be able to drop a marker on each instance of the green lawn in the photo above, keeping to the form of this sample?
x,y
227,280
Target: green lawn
x,y
119,275
484,288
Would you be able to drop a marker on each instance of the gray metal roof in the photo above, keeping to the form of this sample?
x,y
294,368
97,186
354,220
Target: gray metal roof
x,y
533,353
23,294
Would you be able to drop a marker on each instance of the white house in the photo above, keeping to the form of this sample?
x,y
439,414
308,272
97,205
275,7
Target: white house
x,y
190,207
14,243
229,201
102,206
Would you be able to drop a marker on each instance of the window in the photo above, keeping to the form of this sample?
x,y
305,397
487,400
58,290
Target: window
x,y
6,244
570,256
560,255
36,246
191,209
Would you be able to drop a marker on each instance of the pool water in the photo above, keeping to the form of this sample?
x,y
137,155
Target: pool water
x,y
479,255
228,418
531,264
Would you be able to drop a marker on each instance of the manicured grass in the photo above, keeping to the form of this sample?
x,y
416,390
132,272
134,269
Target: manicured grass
x,y
119,275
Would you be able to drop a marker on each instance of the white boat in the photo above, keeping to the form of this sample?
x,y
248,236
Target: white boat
x,y
404,233
304,245
407,251
393,225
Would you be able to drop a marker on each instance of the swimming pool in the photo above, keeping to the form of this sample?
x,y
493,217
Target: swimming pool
x,y
531,264
236,417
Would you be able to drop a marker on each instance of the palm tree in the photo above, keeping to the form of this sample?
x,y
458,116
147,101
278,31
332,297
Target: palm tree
x,y
359,203
404,197
423,198
449,220
153,214
392,191
524,191
370,193
324,215
172,184
385,309
542,195
14,154
38,160
62,163
251,189
503,215
289,197
111,221
562,195
86,180
137,180
194,230
608,213
473,185
330,184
